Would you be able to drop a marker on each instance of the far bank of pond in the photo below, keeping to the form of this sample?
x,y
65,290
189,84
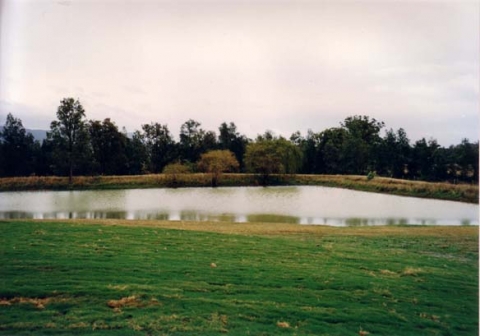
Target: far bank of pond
x,y
444,191
313,205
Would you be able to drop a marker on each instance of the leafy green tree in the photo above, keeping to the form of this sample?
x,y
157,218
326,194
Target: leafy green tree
x,y
108,146
394,154
261,158
136,153
17,149
439,170
44,158
217,162
331,151
172,170
69,137
230,139
308,149
362,144
270,155
364,128
159,145
194,141
176,168
423,159
464,160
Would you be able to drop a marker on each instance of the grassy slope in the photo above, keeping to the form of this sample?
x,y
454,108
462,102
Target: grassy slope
x,y
81,277
463,192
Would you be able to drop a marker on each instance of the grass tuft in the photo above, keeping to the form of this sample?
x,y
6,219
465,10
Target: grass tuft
x,y
283,324
411,271
130,301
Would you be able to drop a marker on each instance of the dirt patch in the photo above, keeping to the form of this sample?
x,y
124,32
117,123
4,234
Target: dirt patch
x,y
130,301
411,271
388,272
283,324
38,303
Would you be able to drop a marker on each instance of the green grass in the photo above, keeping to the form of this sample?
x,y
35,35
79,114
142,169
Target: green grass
x,y
454,192
143,278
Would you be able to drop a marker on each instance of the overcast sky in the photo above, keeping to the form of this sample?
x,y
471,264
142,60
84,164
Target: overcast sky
x,y
277,65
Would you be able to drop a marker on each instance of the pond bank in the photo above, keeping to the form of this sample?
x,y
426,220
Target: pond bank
x,y
444,191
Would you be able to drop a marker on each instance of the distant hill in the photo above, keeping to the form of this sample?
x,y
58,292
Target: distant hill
x,y
39,135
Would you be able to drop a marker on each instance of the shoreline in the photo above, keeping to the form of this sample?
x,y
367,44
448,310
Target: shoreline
x,y
433,190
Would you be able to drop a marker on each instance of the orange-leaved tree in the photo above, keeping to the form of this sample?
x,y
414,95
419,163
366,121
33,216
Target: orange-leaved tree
x,y
217,162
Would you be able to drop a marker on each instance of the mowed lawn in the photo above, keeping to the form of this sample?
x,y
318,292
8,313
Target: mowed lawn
x,y
167,278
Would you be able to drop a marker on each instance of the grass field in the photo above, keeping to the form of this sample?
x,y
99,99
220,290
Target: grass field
x,y
447,191
169,278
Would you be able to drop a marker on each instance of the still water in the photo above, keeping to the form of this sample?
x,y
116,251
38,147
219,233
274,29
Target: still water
x,y
301,205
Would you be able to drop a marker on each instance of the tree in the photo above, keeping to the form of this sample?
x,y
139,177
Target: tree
x,y
231,140
108,146
217,162
394,154
310,147
425,160
464,161
331,151
361,144
194,141
172,170
160,146
364,128
69,136
270,155
17,148
136,153
44,158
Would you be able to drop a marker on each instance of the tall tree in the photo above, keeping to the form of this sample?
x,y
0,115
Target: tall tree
x,y
69,136
272,156
465,157
394,154
331,153
230,139
194,141
361,144
159,145
136,152
108,146
424,160
17,148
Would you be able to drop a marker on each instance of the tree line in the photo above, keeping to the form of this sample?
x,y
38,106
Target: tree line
x,y
77,146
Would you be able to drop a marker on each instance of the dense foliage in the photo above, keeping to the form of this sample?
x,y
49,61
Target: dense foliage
x,y
75,145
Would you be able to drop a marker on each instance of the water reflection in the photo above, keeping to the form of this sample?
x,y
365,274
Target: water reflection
x,y
298,205
269,218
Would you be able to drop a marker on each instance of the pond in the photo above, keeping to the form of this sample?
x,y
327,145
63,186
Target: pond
x,y
301,205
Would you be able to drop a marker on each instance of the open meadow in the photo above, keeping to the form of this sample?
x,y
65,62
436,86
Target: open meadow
x,y
115,277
